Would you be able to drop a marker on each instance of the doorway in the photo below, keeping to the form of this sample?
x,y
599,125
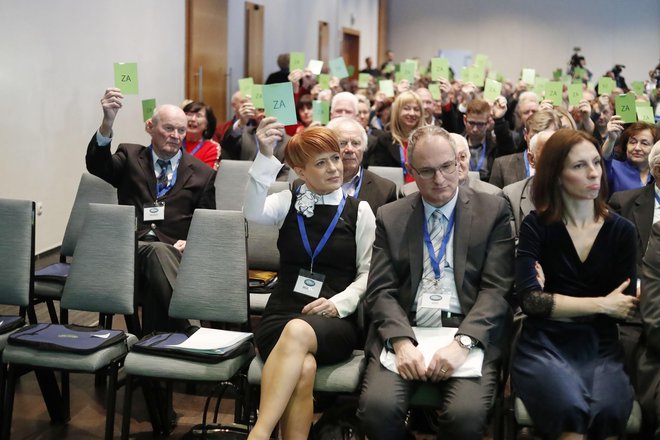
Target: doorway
x,y
254,42
351,50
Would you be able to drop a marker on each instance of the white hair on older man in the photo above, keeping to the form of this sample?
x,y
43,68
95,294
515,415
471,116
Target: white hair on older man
x,y
654,155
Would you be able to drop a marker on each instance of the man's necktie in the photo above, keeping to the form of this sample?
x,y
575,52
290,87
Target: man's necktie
x,y
428,316
162,177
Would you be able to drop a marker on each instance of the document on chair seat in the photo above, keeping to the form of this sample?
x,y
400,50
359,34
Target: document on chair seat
x,y
431,339
213,340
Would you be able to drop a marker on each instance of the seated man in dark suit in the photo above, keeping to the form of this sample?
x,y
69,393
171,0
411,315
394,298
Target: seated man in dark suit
x,y
457,272
166,185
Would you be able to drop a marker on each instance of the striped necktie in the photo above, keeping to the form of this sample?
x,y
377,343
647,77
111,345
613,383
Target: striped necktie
x,y
428,316
162,177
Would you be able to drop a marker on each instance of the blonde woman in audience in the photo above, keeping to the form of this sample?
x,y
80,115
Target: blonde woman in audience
x,y
325,242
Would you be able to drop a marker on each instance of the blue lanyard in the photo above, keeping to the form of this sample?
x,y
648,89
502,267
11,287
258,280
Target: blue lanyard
x,y
481,159
356,194
326,235
526,163
403,161
169,186
196,149
435,260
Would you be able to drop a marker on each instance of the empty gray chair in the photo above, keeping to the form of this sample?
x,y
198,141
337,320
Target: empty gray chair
x,y
101,280
211,285
395,174
230,184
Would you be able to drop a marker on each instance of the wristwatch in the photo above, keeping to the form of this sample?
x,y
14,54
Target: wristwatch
x,y
465,341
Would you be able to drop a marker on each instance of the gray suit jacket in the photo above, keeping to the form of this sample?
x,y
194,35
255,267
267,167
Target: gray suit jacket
x,y
520,201
483,270
637,206
508,169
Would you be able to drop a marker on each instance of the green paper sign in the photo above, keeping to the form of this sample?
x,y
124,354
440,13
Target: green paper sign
x,y
148,107
575,94
296,61
338,68
605,85
481,61
278,102
324,81
539,85
439,69
580,73
126,78
466,74
626,108
407,71
553,91
321,111
645,113
556,74
387,87
638,87
434,88
350,69
528,76
478,76
258,95
492,90
363,80
245,86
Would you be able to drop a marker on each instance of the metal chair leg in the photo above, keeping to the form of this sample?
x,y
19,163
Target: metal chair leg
x,y
128,401
112,398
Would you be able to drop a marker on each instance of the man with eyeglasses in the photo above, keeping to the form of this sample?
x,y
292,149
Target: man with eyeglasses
x,y
442,258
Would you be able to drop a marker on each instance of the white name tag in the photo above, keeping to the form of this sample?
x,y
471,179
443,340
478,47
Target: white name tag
x,y
309,283
433,297
154,212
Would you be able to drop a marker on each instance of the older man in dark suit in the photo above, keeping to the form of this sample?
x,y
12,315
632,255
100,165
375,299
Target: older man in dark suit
x,y
166,185
442,258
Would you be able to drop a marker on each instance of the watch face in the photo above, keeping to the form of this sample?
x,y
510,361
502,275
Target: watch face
x,y
465,340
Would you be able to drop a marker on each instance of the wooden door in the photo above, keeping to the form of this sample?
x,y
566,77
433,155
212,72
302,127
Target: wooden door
x,y
254,42
351,49
324,41
206,53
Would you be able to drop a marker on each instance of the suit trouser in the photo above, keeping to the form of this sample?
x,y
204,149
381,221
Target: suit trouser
x,y
385,397
158,265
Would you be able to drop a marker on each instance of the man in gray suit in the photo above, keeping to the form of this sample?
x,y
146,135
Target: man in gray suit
x,y
472,275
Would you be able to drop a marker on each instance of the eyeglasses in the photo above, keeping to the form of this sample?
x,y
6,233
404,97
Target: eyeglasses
x,y
446,169
477,124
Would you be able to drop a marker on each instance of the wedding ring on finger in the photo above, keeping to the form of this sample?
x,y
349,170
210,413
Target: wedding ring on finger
x,y
324,313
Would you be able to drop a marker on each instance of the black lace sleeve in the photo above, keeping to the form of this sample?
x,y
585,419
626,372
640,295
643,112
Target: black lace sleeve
x,y
538,304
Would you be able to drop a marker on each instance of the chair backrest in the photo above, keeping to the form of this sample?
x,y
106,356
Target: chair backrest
x,y
16,251
262,240
395,174
102,275
212,283
230,183
91,189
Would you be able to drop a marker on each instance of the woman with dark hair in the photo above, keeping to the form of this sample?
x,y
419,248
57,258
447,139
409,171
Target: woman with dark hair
x,y
325,244
574,267
304,113
632,169
199,134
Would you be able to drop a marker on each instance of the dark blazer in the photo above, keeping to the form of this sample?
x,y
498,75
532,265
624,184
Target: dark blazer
x,y
244,147
508,169
131,171
637,206
385,152
520,201
483,269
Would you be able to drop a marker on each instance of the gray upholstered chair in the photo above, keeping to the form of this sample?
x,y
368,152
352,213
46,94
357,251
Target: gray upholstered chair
x,y
230,184
395,174
16,269
212,285
101,279
49,281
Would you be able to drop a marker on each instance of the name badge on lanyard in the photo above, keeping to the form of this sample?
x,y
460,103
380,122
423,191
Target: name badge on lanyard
x,y
435,298
310,283
433,293
154,212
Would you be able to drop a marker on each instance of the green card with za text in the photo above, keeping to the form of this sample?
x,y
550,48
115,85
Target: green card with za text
x,y
338,68
245,86
363,80
258,95
434,88
126,78
553,91
575,94
296,61
321,111
625,107
645,112
148,107
387,87
324,81
492,90
439,69
278,102
605,85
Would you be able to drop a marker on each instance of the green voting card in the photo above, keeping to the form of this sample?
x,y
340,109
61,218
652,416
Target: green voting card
x,y
466,74
556,74
296,61
126,78
539,85
528,76
324,81
245,86
257,95
481,61
553,92
387,87
350,69
605,85
321,111
278,102
439,69
338,68
492,90
434,88
638,87
625,107
363,80
575,94
407,71
580,73
645,112
478,76
148,107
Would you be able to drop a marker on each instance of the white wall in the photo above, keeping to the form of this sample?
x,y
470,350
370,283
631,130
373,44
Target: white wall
x,y
537,34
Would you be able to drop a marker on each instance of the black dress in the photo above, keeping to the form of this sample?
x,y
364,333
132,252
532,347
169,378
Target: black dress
x,y
569,374
336,337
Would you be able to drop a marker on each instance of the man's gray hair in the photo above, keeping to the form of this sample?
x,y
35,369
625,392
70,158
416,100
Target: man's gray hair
x,y
654,155
345,96
427,131
338,124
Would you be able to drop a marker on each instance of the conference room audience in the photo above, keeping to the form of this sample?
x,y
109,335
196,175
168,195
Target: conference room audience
x,y
325,238
199,134
567,367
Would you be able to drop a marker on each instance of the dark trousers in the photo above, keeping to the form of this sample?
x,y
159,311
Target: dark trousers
x,y
158,264
385,399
